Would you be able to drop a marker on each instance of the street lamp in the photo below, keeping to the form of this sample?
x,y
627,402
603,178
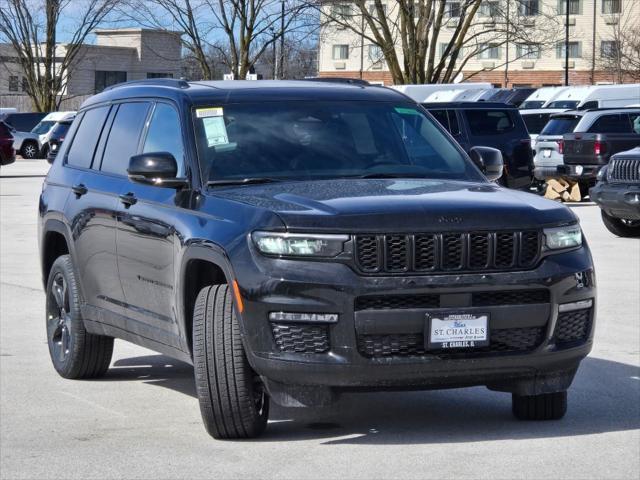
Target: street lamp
x,y
566,43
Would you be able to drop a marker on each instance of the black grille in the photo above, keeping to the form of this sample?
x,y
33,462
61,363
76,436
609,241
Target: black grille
x,y
506,340
573,327
447,252
299,338
394,302
624,170
478,299
510,297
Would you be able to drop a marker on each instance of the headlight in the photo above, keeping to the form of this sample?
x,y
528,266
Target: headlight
x,y
299,244
602,174
563,237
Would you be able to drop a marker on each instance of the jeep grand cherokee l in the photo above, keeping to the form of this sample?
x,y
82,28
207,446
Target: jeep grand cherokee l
x,y
295,240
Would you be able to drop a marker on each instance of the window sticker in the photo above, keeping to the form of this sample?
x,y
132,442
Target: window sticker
x,y
209,112
215,131
406,111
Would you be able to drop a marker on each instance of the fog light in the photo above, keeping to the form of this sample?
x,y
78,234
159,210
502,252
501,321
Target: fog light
x,y
570,307
303,317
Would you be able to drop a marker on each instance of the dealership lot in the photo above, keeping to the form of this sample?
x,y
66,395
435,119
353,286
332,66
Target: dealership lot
x,y
143,421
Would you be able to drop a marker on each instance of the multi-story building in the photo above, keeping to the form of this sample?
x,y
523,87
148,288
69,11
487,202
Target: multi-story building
x,y
118,55
527,50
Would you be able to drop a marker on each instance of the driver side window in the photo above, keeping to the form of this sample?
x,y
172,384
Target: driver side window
x,y
164,134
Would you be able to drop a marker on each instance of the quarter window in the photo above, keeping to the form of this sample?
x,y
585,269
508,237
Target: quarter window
x,y
124,137
164,134
84,142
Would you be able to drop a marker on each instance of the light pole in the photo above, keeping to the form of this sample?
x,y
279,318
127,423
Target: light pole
x,y
566,43
281,76
275,56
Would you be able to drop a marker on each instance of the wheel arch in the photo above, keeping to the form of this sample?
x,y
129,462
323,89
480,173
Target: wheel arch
x,y
55,242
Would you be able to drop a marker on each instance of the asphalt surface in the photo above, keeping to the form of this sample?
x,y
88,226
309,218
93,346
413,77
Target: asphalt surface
x,y
142,420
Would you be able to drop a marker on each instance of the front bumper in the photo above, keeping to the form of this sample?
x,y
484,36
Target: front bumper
x,y
581,173
618,200
278,285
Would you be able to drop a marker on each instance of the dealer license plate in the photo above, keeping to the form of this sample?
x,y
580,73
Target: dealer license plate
x,y
457,330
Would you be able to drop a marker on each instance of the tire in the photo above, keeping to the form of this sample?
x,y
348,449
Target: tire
x,y
44,153
75,353
619,227
29,150
233,402
548,406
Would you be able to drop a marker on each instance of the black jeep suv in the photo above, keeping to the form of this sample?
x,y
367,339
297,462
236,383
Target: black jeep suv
x,y
294,240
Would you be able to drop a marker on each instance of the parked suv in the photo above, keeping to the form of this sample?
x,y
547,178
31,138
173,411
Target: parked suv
x,y
294,240
491,124
7,152
617,193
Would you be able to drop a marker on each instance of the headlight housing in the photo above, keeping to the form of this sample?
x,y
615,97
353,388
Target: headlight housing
x,y
299,244
560,238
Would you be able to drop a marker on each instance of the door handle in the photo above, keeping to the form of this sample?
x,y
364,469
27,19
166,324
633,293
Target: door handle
x,y
79,190
128,199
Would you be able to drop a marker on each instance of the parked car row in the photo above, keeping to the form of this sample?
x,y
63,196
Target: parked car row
x,y
34,142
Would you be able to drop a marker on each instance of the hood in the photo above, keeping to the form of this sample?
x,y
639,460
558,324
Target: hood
x,y
399,205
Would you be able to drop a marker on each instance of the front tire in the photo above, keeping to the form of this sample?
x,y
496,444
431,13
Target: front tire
x,y
547,406
29,150
619,227
233,401
75,353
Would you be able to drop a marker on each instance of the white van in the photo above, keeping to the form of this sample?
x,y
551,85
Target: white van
x,y
597,96
29,144
420,93
541,97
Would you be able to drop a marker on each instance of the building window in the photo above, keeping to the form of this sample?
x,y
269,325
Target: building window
x,y
341,52
159,75
529,8
528,51
25,84
575,7
489,52
341,11
14,83
373,11
375,53
608,48
105,79
575,50
452,9
489,9
611,6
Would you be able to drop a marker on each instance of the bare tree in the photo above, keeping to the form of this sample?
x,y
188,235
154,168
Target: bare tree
x,y
31,29
619,51
431,41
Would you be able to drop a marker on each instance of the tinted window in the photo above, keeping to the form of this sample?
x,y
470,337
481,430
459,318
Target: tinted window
x,y
532,104
43,127
60,130
535,122
164,134
124,137
588,105
24,122
560,125
448,119
4,130
635,122
312,140
441,117
84,142
566,104
618,123
489,122
453,122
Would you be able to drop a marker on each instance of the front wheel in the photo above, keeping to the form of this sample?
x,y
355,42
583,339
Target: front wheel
x,y
547,406
621,227
29,150
75,353
233,401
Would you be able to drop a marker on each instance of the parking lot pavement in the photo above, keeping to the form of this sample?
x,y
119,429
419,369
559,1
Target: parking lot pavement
x,y
143,421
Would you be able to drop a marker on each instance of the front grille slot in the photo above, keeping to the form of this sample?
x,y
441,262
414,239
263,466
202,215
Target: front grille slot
x,y
447,252
396,302
624,170
573,327
510,297
301,338
506,340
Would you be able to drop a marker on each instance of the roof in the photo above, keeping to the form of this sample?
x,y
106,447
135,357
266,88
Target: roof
x,y
223,92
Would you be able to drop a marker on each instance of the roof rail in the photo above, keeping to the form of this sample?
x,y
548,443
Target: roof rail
x,y
158,82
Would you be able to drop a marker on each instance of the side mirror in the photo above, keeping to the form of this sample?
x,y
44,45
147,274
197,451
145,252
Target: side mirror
x,y
488,160
157,168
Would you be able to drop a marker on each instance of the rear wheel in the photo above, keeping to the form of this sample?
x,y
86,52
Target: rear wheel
x,y
233,401
75,353
29,150
548,406
620,226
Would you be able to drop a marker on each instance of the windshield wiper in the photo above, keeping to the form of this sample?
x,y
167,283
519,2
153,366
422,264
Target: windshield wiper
x,y
240,181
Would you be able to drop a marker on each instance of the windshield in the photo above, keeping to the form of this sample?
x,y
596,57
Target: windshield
x,y
566,104
307,140
531,104
42,127
535,122
560,125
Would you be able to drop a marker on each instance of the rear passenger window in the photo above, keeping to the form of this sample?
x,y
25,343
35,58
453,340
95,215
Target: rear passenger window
x,y
448,119
165,135
441,117
618,123
489,122
84,141
124,137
